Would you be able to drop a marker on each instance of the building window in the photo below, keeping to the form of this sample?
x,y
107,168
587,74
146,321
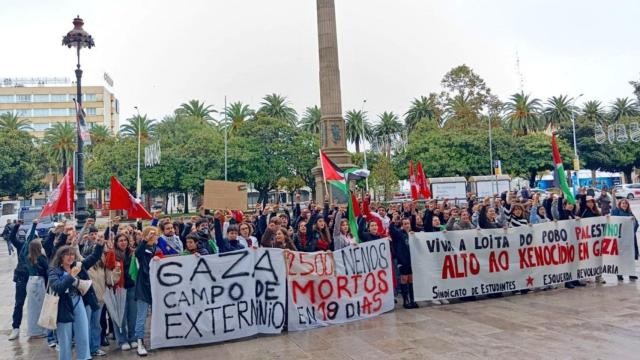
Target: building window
x,y
23,98
41,98
90,111
59,112
22,112
6,99
40,112
89,97
40,127
58,97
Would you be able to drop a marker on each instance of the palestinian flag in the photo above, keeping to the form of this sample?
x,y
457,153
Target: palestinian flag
x,y
339,179
560,173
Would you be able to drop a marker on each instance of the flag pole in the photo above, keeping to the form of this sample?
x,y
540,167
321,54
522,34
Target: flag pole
x,y
324,178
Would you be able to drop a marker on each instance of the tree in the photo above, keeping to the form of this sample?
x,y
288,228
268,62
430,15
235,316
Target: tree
x,y
623,107
311,119
466,95
421,109
268,149
19,164
460,112
138,123
277,107
593,112
356,126
61,141
99,133
383,178
196,109
11,121
237,113
387,131
522,114
636,88
558,110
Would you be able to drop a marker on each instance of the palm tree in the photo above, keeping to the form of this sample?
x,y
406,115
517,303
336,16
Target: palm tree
x,y
423,108
99,133
237,113
387,131
558,110
61,140
623,107
146,126
594,112
356,124
460,111
277,106
196,109
11,121
311,119
523,114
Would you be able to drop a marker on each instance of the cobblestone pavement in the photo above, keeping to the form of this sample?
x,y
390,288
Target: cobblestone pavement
x,y
594,322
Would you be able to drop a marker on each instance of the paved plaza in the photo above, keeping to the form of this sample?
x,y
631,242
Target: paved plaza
x,y
594,322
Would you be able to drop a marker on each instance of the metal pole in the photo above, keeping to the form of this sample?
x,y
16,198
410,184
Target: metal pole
x,y
138,179
81,205
575,146
226,129
364,150
495,182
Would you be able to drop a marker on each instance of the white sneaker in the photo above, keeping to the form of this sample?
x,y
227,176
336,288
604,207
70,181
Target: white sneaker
x,y
15,333
141,350
436,302
125,347
134,345
99,353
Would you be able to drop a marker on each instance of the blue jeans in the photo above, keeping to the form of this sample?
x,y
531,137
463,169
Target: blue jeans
x,y
94,328
78,328
141,318
51,337
126,333
35,298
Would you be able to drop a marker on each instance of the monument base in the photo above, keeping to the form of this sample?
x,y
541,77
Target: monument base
x,y
340,157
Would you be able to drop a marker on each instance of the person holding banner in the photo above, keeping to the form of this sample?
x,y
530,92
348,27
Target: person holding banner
x,y
146,251
622,208
342,236
460,220
399,231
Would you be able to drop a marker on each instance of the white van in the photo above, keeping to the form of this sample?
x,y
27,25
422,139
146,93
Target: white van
x,y
9,210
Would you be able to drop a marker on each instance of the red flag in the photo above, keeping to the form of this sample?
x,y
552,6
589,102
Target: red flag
x,y
356,205
121,199
61,199
330,171
412,181
423,182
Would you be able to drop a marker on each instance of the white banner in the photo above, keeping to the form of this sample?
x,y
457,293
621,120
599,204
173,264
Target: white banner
x,y
350,284
455,264
212,298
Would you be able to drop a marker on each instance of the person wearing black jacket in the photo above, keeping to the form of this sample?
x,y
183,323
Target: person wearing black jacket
x,y
371,234
231,242
20,276
65,274
145,252
399,230
5,235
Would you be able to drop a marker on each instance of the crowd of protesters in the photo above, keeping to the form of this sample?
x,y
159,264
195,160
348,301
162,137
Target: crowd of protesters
x,y
61,261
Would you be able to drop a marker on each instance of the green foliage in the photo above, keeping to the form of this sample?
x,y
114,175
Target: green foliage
x,y
20,162
278,107
138,123
357,125
559,110
421,109
311,119
237,113
196,109
10,121
60,140
99,133
523,115
387,131
593,112
383,179
622,107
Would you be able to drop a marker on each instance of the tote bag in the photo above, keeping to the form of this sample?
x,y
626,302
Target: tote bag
x,y
49,314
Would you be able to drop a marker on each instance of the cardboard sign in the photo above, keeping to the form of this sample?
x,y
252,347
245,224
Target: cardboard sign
x,y
220,194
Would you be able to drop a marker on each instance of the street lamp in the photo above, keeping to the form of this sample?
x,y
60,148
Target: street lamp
x,y
576,161
226,129
78,38
138,179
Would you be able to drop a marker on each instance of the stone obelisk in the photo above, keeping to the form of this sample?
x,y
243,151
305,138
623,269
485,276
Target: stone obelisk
x,y
332,128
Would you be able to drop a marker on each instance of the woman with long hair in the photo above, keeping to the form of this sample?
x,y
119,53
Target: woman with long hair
x,y
119,256
146,251
65,274
38,266
622,208
342,236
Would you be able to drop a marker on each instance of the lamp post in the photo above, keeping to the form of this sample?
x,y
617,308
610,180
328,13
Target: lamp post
x,y
495,182
78,38
138,179
576,161
364,150
226,130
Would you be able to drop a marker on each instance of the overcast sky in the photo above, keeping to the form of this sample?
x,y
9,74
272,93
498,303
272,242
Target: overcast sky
x,y
163,53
